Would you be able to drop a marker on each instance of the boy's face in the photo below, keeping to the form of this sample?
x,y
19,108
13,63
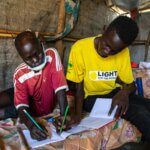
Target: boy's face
x,y
109,44
32,53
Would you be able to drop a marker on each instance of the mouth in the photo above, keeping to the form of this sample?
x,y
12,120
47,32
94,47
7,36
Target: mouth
x,y
36,65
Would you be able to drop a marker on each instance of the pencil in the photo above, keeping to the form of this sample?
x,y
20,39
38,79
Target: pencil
x,y
66,111
31,118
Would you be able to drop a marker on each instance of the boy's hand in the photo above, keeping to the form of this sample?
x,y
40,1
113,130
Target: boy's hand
x,y
37,133
58,123
121,99
70,121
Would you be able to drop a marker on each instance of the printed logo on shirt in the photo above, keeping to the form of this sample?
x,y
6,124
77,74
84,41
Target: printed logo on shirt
x,y
102,75
70,65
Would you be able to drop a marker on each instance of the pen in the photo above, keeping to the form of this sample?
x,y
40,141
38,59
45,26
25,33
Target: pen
x,y
31,118
66,111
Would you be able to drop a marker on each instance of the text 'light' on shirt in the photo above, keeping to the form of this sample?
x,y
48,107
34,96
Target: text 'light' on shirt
x,y
102,75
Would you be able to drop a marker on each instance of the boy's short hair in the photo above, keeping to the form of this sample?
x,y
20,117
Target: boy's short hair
x,y
126,29
25,34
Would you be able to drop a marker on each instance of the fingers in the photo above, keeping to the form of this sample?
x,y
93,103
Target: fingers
x,y
111,109
38,134
125,110
117,115
58,123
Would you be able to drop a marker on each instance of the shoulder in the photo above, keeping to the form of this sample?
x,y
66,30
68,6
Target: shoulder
x,y
51,52
84,41
124,53
21,70
54,58
82,44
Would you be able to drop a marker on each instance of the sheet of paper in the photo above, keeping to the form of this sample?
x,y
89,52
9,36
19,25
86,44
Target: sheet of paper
x,y
34,143
55,137
101,108
74,130
97,118
99,114
94,123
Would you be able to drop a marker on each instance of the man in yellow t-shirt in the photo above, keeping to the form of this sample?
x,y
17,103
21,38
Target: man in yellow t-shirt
x,y
100,67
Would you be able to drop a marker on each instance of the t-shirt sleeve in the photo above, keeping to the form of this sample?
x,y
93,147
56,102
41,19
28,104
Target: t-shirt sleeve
x,y
125,70
58,78
75,69
20,94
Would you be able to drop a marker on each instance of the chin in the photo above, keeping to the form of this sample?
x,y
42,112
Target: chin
x,y
104,56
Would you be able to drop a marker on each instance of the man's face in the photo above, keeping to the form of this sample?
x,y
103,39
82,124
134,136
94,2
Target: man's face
x,y
109,44
32,53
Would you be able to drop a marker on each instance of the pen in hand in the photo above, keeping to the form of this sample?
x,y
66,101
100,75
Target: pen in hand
x,y
34,122
63,122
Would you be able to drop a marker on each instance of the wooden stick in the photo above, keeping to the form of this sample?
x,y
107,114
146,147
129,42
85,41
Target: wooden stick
x,y
60,28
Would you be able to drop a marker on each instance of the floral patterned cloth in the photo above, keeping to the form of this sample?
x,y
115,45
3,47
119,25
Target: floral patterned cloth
x,y
106,138
145,75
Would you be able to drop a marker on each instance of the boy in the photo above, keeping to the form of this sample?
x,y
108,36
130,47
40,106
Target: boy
x,y
38,81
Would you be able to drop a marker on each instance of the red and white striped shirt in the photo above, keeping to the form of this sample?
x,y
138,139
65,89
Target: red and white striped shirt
x,y
37,90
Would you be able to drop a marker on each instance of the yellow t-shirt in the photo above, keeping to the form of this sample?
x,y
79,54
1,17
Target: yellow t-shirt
x,y
99,74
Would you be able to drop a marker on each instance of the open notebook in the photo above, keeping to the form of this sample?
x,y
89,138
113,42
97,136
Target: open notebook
x,y
55,137
97,119
99,114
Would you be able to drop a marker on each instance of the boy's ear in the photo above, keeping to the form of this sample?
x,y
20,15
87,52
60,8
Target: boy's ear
x,y
40,38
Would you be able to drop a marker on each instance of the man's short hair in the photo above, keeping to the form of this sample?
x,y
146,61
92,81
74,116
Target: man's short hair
x,y
26,34
126,29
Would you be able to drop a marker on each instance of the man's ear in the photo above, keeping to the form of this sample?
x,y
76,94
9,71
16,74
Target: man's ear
x,y
40,37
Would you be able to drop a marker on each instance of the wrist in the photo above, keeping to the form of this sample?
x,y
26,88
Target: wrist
x,y
125,92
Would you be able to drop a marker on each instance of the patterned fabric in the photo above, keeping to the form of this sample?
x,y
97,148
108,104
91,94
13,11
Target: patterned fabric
x,y
111,136
71,8
145,75
106,138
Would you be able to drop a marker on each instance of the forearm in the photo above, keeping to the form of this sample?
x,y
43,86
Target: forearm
x,y
62,100
24,118
79,98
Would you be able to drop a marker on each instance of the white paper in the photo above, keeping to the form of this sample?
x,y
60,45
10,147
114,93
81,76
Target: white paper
x,y
34,143
101,108
74,130
55,137
97,118
99,114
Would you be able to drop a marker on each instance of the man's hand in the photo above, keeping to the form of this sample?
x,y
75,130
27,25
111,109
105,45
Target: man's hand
x,y
121,99
69,122
58,123
37,133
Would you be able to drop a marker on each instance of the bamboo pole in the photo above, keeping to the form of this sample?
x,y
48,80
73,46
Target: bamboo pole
x,y
17,32
147,47
13,34
60,28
